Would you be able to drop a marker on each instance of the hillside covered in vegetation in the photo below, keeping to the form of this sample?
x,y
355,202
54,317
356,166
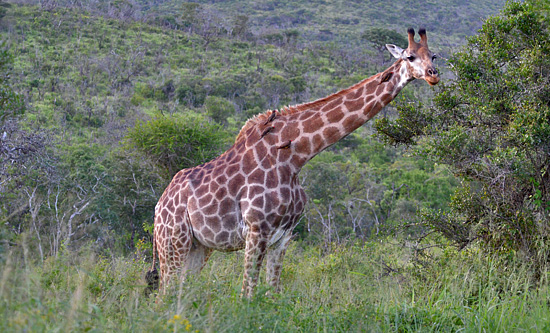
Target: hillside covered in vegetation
x,y
88,74
435,215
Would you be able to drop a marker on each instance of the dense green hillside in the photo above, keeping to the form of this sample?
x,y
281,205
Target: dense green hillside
x,y
89,71
448,22
115,96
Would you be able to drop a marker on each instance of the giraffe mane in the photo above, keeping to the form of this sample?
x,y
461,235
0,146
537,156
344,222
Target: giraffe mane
x,y
288,110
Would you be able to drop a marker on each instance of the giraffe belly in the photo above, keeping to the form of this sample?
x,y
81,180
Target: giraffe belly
x,y
221,233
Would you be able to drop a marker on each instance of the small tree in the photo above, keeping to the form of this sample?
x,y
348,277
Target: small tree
x,y
177,142
379,37
491,125
219,109
11,104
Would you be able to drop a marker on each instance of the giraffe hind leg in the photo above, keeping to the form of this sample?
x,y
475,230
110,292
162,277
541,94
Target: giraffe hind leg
x,y
274,263
197,258
176,248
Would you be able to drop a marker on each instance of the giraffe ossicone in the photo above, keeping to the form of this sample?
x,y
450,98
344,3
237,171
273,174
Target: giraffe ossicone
x,y
249,197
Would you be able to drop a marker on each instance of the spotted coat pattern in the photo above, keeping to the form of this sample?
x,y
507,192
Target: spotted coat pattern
x,y
250,197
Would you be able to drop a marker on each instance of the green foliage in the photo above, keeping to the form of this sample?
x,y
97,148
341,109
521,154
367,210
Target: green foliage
x,y
365,188
371,286
177,142
219,109
380,37
11,103
345,21
491,125
88,72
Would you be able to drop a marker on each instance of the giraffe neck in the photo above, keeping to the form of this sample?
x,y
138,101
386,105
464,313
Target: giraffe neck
x,y
324,122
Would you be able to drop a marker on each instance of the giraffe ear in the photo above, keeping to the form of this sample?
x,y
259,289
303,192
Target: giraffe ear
x,y
395,51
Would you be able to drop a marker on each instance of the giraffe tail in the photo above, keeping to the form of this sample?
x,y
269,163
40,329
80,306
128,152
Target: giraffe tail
x,y
152,275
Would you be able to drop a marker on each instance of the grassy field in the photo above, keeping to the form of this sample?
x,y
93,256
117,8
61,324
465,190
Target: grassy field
x,y
376,286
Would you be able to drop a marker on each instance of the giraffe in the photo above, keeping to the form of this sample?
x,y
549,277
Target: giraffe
x,y
250,197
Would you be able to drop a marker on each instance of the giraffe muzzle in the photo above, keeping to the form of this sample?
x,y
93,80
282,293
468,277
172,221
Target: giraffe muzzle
x,y
432,76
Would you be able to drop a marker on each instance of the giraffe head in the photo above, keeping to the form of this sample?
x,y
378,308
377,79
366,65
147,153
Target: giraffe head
x,y
417,57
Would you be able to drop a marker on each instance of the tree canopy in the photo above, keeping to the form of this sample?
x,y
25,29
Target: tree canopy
x,y
491,125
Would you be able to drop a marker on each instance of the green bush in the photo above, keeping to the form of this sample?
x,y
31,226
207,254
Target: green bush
x,y
177,142
219,109
491,126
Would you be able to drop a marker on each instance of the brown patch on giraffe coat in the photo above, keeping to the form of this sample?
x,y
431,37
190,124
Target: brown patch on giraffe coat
x,y
170,205
261,150
271,179
275,220
258,202
213,187
232,169
214,224
380,90
202,190
221,193
230,222
226,205
332,104
350,123
265,226
198,219
221,179
332,133
285,193
207,233
297,161
355,94
318,142
303,146
368,108
314,124
257,177
254,190
371,86
386,98
164,215
205,200
355,105
290,132
249,162
210,209
298,206
272,201
222,237
284,155
335,115
267,162
235,184
172,192
306,115
229,156
252,137
284,175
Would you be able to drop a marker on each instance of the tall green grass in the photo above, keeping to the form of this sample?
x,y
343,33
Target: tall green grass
x,y
376,286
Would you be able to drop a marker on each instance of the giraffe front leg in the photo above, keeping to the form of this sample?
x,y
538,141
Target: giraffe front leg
x,y
254,254
275,262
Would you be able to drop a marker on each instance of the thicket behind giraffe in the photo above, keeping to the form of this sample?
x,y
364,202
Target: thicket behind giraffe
x,y
250,197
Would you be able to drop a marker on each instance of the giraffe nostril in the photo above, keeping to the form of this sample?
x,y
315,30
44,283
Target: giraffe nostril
x,y
432,71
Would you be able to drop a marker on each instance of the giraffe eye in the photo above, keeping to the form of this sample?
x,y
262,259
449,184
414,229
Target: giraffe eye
x,y
411,58
434,57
